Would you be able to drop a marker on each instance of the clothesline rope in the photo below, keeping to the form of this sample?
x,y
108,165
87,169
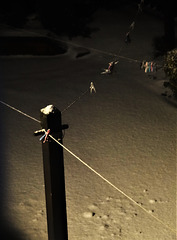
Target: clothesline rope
x,y
98,174
74,101
81,46
17,110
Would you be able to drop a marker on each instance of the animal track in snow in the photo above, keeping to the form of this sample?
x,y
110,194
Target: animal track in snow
x,y
91,212
88,214
114,217
109,214
152,201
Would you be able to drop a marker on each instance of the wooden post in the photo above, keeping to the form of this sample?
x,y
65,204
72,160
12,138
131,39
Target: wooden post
x,y
54,175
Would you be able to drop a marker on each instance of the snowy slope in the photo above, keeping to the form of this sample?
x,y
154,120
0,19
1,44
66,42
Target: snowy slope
x,y
126,132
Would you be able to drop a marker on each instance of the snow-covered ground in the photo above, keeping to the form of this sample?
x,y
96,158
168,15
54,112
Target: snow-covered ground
x,y
126,132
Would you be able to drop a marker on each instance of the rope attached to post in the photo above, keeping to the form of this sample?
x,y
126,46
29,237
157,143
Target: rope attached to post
x,y
17,110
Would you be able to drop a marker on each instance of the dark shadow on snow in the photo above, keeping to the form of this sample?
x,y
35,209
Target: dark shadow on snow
x,y
170,100
8,232
159,46
30,46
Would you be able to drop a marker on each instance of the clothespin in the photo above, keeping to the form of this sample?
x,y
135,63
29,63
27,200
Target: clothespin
x,y
139,7
45,136
92,87
127,37
39,132
132,26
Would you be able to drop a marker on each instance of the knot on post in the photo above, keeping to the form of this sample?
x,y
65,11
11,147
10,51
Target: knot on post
x,y
51,119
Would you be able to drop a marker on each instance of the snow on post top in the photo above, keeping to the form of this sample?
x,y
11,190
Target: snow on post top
x,y
48,109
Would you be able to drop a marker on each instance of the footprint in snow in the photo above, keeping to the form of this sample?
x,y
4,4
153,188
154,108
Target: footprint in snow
x,y
152,201
91,212
88,214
